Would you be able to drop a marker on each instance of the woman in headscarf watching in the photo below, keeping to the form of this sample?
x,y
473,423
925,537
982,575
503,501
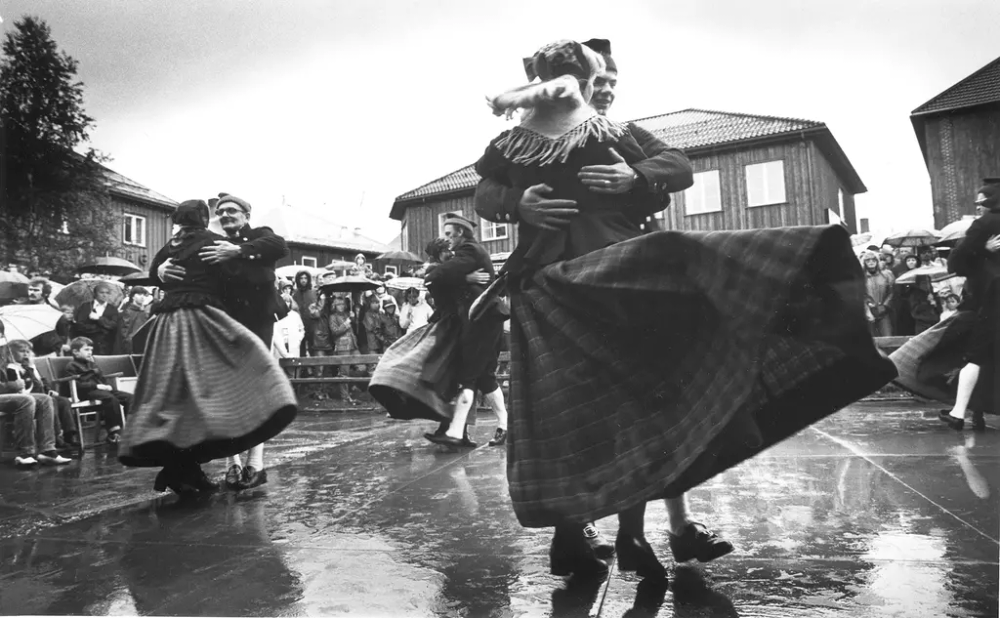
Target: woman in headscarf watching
x,y
208,387
645,364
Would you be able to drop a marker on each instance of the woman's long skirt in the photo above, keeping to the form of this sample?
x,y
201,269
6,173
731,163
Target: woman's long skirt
x,y
208,389
418,375
643,369
929,363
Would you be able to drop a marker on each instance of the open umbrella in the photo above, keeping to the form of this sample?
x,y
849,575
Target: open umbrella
x,y
28,321
339,265
140,278
954,232
936,272
349,283
405,283
912,238
109,266
400,256
81,291
860,239
11,290
6,275
291,270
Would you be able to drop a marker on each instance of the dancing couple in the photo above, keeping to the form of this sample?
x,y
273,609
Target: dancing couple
x,y
644,364
434,371
209,387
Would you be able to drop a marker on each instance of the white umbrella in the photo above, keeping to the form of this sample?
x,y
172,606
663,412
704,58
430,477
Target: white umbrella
x,y
6,275
955,231
28,321
912,238
405,283
936,272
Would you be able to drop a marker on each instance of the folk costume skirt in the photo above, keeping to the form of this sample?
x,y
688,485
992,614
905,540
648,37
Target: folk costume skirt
x,y
645,368
418,375
208,389
928,364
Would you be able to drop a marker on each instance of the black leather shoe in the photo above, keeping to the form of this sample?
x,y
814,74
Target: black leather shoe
x,y
234,476
698,542
253,478
466,440
571,555
635,554
955,423
499,437
602,548
447,440
170,478
200,481
440,431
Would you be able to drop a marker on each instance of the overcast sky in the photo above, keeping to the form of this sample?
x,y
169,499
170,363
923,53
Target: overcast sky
x,y
339,106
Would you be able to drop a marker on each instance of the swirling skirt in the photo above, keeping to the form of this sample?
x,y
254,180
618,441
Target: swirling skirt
x,y
645,368
208,389
928,364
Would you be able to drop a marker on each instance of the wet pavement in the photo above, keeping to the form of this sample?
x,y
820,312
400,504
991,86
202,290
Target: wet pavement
x,y
878,511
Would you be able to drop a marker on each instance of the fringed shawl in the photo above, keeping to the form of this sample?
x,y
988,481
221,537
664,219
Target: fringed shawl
x,y
527,147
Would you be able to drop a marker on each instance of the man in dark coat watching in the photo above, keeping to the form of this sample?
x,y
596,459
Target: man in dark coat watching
x,y
650,183
252,298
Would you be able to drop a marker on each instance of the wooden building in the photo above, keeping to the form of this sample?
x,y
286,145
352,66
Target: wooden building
x,y
145,218
750,172
315,241
959,135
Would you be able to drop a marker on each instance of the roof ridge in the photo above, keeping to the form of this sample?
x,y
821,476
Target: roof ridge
x,y
442,177
962,82
738,114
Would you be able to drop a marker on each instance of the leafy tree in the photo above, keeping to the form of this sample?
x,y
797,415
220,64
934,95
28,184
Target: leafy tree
x,y
55,208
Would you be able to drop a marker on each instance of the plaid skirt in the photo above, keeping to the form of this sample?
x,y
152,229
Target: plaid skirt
x,y
417,376
928,364
645,368
208,389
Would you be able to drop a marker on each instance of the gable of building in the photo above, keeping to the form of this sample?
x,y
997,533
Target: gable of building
x,y
297,226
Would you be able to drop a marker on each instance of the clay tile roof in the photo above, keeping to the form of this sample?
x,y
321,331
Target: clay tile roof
x,y
980,88
126,187
687,129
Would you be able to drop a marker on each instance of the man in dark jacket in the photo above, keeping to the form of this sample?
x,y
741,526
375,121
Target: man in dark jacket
x,y
251,298
650,183
977,259
480,340
304,295
98,320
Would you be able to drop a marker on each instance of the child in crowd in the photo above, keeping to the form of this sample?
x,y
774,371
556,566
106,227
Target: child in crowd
x,y
342,338
65,428
949,302
389,328
91,384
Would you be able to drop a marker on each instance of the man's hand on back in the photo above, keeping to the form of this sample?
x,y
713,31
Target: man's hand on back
x,y
539,211
168,271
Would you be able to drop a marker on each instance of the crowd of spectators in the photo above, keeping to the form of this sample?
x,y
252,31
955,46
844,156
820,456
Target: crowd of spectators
x,y
911,307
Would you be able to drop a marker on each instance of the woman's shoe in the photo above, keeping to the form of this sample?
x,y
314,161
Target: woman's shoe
x,y
447,440
635,554
570,554
499,437
234,476
955,423
699,542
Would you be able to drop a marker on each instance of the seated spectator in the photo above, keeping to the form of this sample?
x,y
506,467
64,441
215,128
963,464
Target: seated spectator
x,y
91,384
389,329
65,427
34,424
97,320
415,312
133,315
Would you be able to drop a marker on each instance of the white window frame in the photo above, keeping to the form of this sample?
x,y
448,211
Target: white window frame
x,y
840,202
389,268
697,196
130,225
306,261
770,195
494,230
441,218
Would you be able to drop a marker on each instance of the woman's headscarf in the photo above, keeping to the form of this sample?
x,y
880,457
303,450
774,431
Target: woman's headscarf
x,y
192,213
563,58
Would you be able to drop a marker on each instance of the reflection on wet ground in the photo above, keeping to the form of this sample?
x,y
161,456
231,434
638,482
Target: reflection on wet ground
x,y
878,511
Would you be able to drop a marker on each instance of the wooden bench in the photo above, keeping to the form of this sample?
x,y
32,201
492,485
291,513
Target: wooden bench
x,y
295,365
